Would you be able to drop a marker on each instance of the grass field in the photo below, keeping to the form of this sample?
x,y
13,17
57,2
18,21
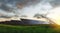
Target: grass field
x,y
28,29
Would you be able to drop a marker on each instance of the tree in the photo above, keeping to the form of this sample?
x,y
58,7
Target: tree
x,y
44,16
39,15
53,24
23,16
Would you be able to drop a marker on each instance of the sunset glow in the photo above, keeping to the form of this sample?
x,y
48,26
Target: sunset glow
x,y
55,15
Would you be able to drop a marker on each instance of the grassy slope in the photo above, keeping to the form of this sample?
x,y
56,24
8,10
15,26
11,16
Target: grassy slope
x,y
27,29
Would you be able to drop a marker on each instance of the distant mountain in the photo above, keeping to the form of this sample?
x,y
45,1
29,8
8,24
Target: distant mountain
x,y
24,22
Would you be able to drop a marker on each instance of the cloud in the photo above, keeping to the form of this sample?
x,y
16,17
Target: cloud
x,y
9,8
55,3
13,8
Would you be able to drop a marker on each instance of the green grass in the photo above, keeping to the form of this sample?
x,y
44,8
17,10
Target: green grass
x,y
27,29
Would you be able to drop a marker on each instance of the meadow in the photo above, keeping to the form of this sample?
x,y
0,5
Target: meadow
x,y
28,29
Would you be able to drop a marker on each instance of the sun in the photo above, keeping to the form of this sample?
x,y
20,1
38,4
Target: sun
x,y
57,21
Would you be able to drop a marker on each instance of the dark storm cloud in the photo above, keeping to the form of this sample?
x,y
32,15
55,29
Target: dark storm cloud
x,y
18,3
55,3
9,8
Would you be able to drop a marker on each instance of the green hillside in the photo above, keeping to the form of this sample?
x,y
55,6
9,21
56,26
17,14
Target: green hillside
x,y
27,29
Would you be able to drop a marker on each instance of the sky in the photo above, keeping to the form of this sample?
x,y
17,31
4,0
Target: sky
x,y
14,8
42,8
17,8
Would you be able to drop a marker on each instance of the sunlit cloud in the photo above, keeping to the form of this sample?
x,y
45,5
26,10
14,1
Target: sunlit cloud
x,y
54,15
